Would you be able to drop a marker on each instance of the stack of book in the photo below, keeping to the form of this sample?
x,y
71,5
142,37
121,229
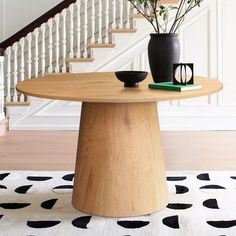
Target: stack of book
x,y
172,87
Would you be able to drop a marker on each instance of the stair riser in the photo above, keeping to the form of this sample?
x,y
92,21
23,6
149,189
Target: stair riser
x,y
75,67
101,53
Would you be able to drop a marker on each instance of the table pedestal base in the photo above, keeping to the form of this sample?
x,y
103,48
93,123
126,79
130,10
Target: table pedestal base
x,y
120,170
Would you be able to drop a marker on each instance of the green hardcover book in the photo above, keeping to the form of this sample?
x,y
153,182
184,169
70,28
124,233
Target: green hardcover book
x,y
172,87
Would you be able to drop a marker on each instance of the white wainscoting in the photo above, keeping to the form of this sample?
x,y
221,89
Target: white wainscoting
x,y
208,39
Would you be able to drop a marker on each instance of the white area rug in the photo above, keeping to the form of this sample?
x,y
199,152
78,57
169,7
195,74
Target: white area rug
x,y
39,203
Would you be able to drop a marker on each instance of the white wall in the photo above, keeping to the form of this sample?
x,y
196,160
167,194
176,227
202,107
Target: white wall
x,y
15,14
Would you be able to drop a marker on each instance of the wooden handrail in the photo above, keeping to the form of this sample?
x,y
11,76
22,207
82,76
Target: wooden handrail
x,y
36,23
2,51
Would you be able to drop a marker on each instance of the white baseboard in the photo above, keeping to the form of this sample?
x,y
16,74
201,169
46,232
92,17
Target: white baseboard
x,y
166,124
198,123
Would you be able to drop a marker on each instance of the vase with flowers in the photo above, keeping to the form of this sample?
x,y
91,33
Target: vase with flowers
x,y
164,47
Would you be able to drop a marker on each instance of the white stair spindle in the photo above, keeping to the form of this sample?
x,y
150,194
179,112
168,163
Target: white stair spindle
x,y
22,63
15,73
57,43
78,30
36,56
2,116
92,21
8,53
107,21
114,14
29,60
43,57
100,21
64,41
128,15
50,45
121,14
71,9
85,28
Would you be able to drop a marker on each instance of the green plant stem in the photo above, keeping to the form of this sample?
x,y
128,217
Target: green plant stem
x,y
187,11
155,14
177,15
180,18
167,21
143,14
151,10
178,25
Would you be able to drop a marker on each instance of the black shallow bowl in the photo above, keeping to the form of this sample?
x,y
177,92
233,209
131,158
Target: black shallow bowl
x,y
131,78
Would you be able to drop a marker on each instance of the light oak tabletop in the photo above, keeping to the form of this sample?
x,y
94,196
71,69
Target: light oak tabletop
x,y
105,88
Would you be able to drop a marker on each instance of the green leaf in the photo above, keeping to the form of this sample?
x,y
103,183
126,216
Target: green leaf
x,y
165,16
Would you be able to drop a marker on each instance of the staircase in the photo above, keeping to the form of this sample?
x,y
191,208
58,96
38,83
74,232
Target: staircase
x,y
40,114
83,36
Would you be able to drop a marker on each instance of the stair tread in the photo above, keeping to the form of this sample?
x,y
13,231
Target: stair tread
x,y
137,16
16,103
101,45
123,30
81,60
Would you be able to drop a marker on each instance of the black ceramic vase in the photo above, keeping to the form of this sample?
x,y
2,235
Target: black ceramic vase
x,y
163,52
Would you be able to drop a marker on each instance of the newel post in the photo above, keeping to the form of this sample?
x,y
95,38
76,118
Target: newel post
x,y
2,115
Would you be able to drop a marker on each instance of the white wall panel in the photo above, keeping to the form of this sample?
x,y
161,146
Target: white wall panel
x,y
195,48
227,47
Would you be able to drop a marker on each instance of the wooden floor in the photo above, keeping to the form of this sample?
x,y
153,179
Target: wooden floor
x,y
47,150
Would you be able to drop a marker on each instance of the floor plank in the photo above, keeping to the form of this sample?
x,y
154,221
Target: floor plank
x,y
56,150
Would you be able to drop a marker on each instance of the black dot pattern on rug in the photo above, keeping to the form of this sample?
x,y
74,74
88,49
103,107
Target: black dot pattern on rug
x,y
3,187
14,206
212,186
42,224
181,189
68,177
39,178
49,204
133,224
211,204
81,222
64,187
222,224
194,201
171,221
177,178
179,206
4,175
204,177
23,189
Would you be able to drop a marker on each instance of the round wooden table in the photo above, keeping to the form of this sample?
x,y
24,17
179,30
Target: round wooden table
x,y
120,169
